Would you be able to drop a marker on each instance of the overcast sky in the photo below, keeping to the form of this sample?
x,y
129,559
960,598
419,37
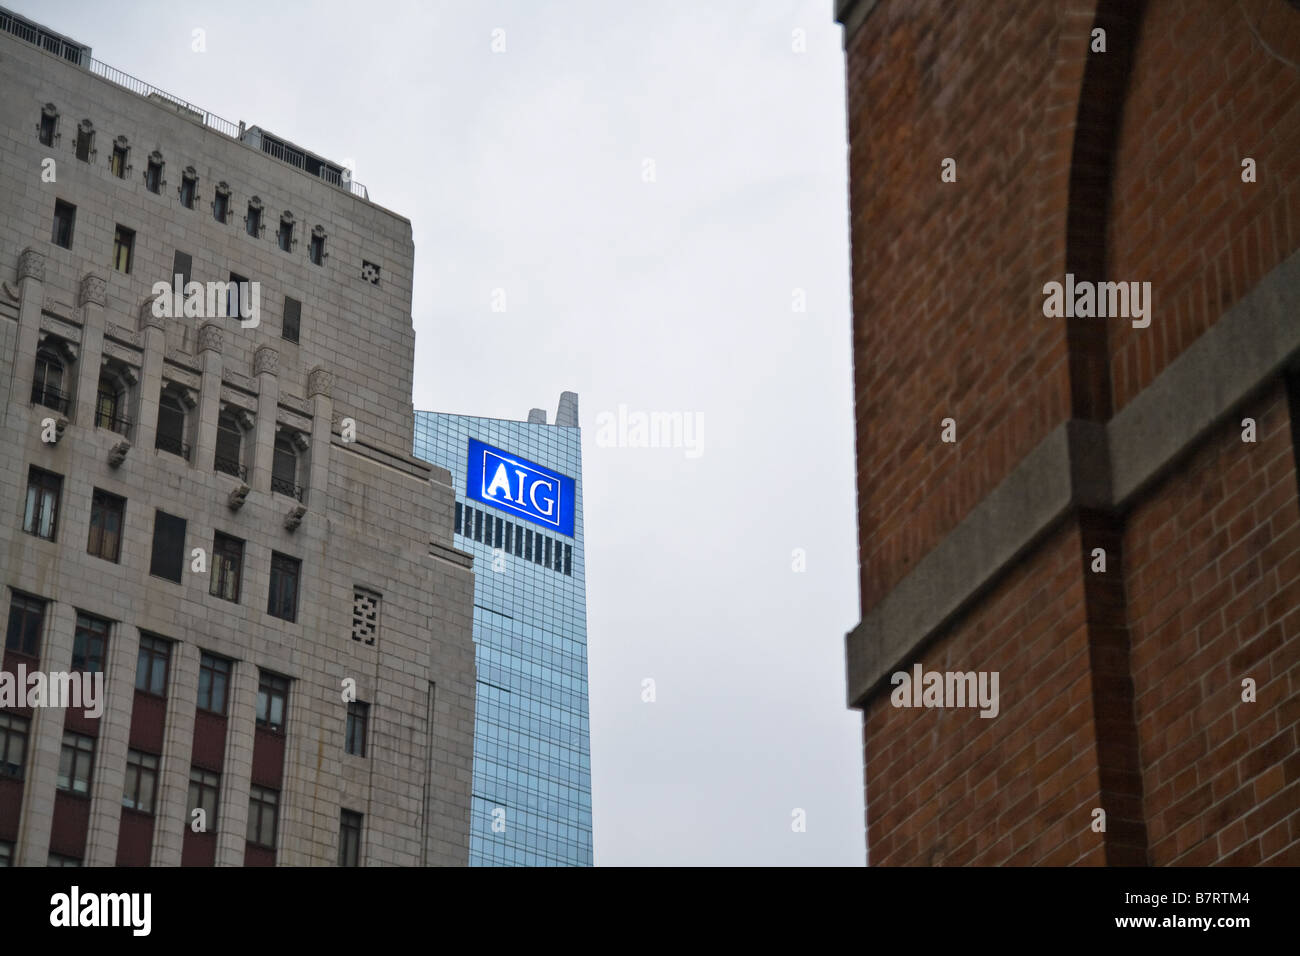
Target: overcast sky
x,y
655,188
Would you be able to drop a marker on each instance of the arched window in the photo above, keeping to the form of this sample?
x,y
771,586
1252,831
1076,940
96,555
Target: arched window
x,y
284,467
171,424
230,442
47,383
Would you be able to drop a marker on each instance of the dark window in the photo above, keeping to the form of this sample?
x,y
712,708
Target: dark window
x,y
253,222
110,403
65,217
487,529
221,205
458,511
510,536
214,683
316,252
153,176
283,599
47,380
568,559
236,293
117,162
182,263
292,319
189,185
205,788
547,559
58,859
528,545
14,730
41,513
230,440
123,244
500,532
168,546
519,541
90,644
47,128
85,143
26,621
349,838
141,781
358,721
285,235
76,762
106,513
263,808
170,436
272,700
227,565
284,467
151,665
478,525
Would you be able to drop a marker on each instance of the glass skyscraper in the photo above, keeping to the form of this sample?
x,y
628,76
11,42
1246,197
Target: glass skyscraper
x,y
519,512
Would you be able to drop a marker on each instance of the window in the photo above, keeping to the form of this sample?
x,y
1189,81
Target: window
x,y
365,615
65,217
40,516
153,175
47,379
292,319
230,440
316,251
189,188
90,644
151,665
355,737
263,806
214,683
85,140
106,513
58,859
26,622
253,221
49,119
117,162
283,600
370,272
168,546
6,853
14,730
272,700
76,762
170,436
123,243
182,263
205,787
227,562
237,293
349,838
110,402
141,781
285,235
221,203
284,467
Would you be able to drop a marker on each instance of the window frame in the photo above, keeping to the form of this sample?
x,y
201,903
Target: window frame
x,y
156,562
27,606
137,769
272,686
81,752
351,825
206,788
91,632
101,505
262,800
151,651
14,727
42,501
64,212
123,241
206,666
227,565
356,730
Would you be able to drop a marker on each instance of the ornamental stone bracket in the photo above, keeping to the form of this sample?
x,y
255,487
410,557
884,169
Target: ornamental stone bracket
x,y
235,500
320,381
93,290
31,264
210,337
294,518
266,361
147,318
117,454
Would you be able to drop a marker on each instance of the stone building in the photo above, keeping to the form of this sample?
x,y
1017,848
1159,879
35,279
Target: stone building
x,y
1101,509
218,510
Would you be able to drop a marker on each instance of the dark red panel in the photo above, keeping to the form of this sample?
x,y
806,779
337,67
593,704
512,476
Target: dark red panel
x,y
71,821
199,849
11,807
148,715
258,856
135,838
209,741
268,758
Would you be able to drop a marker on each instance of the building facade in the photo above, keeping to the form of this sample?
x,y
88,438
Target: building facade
x,y
1100,507
209,497
519,512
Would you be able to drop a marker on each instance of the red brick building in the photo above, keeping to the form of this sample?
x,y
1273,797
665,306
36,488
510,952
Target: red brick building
x,y
1165,149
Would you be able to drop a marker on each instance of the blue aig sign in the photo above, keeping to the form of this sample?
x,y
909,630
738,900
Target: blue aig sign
x,y
515,484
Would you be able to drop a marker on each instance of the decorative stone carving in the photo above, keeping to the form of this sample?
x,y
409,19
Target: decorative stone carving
x,y
117,454
246,419
69,350
10,291
124,335
235,500
210,337
320,382
93,290
294,518
129,374
266,361
60,425
147,319
31,265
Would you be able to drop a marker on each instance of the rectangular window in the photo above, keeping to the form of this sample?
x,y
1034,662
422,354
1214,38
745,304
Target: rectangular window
x,y
47,129
188,187
14,730
547,559
168,546
519,541
90,644
41,513
358,720
227,565
349,838
117,162
151,665
85,143
292,319
153,177
283,599
285,236
478,525
500,532
528,545
214,683
123,244
182,263
236,289
141,781
316,251
253,222
568,559
458,511
221,206
263,808
205,787
26,622
272,700
106,513
65,217
76,763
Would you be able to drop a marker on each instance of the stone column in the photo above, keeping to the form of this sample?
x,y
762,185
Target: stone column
x,y
31,292
111,747
155,350
171,813
237,774
266,366
205,444
320,387
91,301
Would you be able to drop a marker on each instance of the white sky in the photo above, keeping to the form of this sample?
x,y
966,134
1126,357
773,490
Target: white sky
x,y
523,171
